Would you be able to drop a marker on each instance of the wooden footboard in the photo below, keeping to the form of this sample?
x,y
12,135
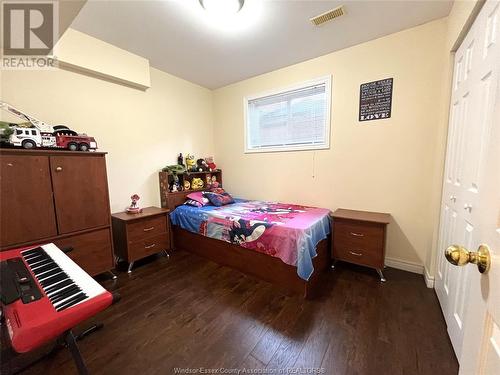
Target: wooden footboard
x,y
253,263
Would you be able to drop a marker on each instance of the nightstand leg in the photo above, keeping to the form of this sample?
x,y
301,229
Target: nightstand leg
x,y
113,276
131,264
333,265
382,277
165,252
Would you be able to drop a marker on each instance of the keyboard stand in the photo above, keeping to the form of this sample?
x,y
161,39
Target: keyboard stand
x,y
71,344
89,330
68,340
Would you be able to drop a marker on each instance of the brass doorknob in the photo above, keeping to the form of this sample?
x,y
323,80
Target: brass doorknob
x,y
460,256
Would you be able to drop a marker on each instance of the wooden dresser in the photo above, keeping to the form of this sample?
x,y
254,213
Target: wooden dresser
x,y
359,237
139,235
57,196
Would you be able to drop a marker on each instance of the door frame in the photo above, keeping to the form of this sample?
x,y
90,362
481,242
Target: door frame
x,y
429,273
472,333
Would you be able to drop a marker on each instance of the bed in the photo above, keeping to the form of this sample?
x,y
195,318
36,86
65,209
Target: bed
x,y
285,244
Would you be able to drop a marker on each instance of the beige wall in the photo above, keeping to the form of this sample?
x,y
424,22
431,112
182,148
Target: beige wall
x,y
90,55
392,165
141,130
385,165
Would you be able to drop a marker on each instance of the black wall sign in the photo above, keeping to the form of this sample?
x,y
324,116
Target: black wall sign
x,y
375,100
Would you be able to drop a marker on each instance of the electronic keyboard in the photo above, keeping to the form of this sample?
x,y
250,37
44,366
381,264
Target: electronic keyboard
x,y
45,294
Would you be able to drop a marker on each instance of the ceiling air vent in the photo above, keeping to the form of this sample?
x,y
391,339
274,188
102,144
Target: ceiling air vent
x,y
328,16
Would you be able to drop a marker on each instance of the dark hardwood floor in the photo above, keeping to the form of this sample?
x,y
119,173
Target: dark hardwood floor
x,y
187,312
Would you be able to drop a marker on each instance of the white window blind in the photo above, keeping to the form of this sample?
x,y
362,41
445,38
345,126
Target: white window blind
x,y
296,119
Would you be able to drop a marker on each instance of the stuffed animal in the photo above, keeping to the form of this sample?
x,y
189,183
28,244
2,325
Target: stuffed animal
x,y
171,169
197,183
201,165
208,182
210,163
191,163
187,185
175,185
215,184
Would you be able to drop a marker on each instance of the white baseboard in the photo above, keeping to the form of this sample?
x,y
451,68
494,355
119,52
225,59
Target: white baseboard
x,y
429,280
404,265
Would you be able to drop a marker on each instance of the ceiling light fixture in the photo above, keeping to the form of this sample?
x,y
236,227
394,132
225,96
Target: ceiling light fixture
x,y
224,17
222,7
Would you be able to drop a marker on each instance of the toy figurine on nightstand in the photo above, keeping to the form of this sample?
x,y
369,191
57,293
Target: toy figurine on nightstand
x,y
134,208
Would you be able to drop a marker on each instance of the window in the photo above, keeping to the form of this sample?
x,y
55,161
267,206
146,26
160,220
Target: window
x,y
33,132
294,119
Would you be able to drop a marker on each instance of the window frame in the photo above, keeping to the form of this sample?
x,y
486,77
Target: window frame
x,y
327,81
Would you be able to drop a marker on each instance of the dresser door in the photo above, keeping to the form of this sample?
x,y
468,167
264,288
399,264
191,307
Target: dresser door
x,y
91,251
26,204
80,192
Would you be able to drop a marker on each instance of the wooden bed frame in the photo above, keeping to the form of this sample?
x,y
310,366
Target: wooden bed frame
x,y
250,262
253,263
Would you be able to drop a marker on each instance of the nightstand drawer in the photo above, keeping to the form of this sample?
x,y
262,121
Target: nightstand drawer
x,y
146,228
368,235
148,246
359,237
359,255
139,235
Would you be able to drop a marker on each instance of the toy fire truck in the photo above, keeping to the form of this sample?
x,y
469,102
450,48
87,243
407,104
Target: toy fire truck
x,y
35,133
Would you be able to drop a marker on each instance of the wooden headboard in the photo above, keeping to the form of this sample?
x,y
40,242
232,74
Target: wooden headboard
x,y
176,199
171,200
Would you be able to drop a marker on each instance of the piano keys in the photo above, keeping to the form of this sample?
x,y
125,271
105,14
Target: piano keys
x,y
68,296
53,271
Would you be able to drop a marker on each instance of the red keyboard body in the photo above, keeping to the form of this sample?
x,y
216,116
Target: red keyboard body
x,y
33,324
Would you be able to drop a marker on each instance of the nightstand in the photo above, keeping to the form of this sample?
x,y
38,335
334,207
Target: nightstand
x,y
359,238
137,236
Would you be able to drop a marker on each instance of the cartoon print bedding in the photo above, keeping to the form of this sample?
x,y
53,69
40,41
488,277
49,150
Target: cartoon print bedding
x,y
286,231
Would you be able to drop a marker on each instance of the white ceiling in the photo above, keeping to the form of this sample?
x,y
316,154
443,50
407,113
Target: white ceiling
x,y
179,37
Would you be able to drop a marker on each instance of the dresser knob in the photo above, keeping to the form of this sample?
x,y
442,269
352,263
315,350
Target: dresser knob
x,y
355,254
58,169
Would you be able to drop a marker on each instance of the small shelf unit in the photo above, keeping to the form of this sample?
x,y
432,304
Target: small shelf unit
x,y
170,199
